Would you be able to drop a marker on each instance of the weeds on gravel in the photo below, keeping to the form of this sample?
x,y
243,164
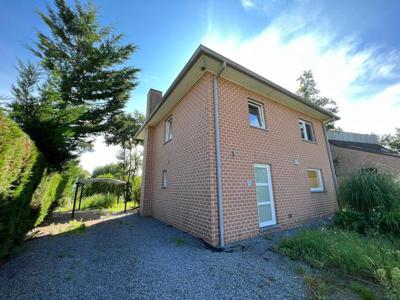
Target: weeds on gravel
x,y
74,227
317,288
268,236
179,241
69,276
363,292
300,271
374,258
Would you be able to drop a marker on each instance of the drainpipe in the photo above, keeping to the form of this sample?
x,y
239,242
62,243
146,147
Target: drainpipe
x,y
328,148
218,158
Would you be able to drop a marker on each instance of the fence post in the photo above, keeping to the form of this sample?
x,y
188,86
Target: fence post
x,y
76,193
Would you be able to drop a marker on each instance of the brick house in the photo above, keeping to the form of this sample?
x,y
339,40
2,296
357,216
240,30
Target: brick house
x,y
227,153
351,151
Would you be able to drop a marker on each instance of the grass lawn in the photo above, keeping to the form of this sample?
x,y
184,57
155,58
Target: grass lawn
x,y
366,261
105,202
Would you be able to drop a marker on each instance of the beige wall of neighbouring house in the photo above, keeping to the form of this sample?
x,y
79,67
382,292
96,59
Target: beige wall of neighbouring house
x,y
189,201
348,160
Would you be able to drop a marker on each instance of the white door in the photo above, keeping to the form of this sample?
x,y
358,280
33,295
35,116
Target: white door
x,y
265,198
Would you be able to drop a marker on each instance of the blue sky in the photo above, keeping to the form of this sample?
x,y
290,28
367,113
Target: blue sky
x,y
353,48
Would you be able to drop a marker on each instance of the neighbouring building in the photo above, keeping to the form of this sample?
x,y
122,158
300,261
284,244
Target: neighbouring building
x,y
352,151
227,153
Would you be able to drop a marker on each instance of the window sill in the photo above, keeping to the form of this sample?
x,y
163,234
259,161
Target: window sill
x,y
312,142
163,187
166,142
261,128
317,192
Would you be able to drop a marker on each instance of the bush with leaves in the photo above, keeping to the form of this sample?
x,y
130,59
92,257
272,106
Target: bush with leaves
x,y
22,169
371,200
28,186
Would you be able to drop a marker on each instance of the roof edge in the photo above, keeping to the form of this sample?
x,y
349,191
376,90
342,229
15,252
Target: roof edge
x,y
214,55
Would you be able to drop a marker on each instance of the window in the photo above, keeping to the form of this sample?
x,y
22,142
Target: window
x,y
168,129
307,131
256,115
315,180
164,179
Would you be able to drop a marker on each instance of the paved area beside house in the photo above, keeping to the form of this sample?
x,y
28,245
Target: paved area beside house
x,y
141,258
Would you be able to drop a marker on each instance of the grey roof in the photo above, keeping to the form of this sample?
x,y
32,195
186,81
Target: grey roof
x,y
353,137
105,180
367,147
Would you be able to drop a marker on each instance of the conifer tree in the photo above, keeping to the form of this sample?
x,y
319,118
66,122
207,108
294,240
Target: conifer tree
x,y
85,81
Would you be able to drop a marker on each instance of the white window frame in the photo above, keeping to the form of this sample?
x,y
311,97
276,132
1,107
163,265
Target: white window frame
x,y
271,195
168,129
164,179
302,125
260,109
319,176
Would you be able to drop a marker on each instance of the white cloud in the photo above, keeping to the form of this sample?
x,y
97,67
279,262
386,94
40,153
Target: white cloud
x,y
342,72
100,156
247,4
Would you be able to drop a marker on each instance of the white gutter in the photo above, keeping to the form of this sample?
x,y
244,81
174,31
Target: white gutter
x,y
218,158
328,148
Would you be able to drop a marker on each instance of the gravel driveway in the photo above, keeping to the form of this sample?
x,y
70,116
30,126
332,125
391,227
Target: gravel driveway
x,y
142,258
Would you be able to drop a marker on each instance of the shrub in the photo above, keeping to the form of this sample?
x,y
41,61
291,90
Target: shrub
x,y
137,182
98,201
45,194
27,186
351,220
66,188
21,169
367,190
374,195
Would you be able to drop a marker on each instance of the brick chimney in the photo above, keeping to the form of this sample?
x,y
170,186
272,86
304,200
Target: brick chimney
x,y
154,97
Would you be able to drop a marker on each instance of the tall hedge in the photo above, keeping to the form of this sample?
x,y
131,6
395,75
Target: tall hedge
x,y
27,186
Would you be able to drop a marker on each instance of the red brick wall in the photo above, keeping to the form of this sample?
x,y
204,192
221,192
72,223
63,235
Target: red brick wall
x,y
279,145
188,160
147,174
190,201
349,160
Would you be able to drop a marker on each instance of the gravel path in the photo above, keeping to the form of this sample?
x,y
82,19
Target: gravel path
x,y
142,258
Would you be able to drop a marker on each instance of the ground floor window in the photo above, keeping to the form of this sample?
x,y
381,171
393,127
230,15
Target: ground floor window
x,y
164,179
315,180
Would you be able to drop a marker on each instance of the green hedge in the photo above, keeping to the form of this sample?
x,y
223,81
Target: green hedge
x,y
27,186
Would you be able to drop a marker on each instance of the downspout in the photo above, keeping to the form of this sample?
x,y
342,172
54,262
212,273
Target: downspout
x,y
328,148
218,158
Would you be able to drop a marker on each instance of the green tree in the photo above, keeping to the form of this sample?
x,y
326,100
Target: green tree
x,y
122,132
86,82
114,168
25,105
308,90
391,141
35,108
123,129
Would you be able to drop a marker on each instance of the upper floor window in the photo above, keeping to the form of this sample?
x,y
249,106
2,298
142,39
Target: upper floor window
x,y
256,114
307,131
168,129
